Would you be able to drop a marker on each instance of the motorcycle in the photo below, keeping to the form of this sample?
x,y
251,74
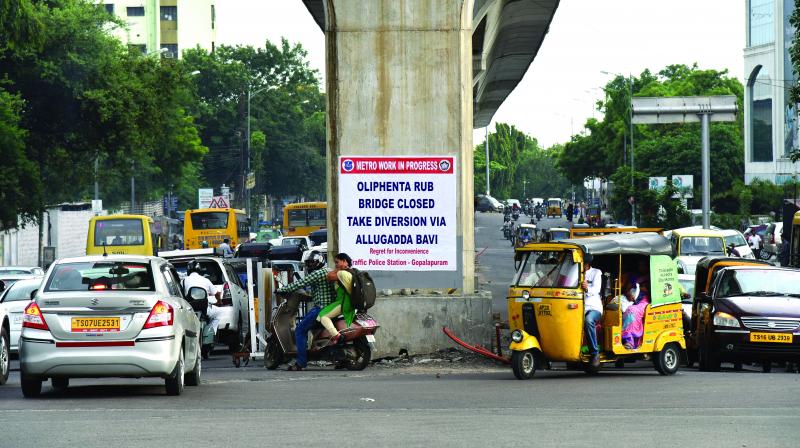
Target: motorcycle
x,y
353,353
507,228
515,215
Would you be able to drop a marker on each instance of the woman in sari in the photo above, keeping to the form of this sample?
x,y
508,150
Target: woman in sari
x,y
339,306
633,317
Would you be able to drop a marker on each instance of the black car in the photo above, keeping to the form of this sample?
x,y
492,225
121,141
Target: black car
x,y
748,313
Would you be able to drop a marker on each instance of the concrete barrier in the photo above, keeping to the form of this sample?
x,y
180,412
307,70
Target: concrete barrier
x,y
413,323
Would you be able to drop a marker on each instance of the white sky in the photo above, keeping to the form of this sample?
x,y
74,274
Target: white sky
x,y
586,37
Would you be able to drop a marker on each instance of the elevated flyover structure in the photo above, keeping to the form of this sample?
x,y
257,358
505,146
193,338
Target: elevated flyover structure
x,y
506,35
407,81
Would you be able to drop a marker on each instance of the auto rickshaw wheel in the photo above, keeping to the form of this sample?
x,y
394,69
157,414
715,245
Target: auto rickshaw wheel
x,y
523,364
668,359
766,366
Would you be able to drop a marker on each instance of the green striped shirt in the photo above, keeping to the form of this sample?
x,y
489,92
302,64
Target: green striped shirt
x,y
323,292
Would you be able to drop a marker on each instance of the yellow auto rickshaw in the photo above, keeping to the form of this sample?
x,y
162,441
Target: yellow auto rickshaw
x,y
554,207
794,241
546,312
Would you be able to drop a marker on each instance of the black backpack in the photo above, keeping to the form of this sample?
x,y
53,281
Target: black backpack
x,y
362,294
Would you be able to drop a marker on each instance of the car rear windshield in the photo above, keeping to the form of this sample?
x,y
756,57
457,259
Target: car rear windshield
x,y
118,232
209,220
101,276
548,269
759,283
20,291
702,245
209,269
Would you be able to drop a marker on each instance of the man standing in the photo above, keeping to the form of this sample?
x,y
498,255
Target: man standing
x,y
592,306
322,293
225,248
570,211
755,244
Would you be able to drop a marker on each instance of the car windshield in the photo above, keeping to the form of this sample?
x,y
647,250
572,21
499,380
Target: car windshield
x,y
759,282
687,285
266,235
14,271
20,291
736,239
101,276
292,241
548,269
702,245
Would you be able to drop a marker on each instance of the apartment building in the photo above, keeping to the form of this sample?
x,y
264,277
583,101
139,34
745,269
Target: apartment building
x,y
770,117
166,26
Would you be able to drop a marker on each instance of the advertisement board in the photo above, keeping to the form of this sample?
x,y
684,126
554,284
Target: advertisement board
x,y
398,213
657,183
684,184
204,197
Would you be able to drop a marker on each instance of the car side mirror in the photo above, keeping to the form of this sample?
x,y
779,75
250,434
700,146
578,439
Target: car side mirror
x,y
33,293
704,297
2,286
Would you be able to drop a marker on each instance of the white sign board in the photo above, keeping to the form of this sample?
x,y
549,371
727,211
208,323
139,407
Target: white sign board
x,y
204,197
657,183
398,213
97,206
684,184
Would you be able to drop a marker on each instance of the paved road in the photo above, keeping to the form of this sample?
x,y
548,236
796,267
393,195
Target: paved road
x,y
495,255
434,404
430,405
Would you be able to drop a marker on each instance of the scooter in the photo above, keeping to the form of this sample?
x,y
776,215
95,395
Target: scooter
x,y
353,353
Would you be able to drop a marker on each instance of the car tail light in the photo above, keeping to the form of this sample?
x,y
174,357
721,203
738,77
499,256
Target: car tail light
x,y
33,318
227,299
162,315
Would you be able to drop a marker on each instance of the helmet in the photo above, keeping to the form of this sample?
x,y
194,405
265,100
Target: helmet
x,y
194,266
314,262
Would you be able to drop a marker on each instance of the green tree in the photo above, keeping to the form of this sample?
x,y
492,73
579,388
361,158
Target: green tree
x,y
88,97
288,111
660,150
794,54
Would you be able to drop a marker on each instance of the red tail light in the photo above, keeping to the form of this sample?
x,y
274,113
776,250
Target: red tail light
x,y
227,299
162,315
33,318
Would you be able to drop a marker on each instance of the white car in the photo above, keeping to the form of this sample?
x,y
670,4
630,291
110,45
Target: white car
x,y
736,238
234,319
110,316
13,302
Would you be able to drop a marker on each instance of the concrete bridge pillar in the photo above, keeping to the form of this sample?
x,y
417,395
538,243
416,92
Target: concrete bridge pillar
x,y
399,83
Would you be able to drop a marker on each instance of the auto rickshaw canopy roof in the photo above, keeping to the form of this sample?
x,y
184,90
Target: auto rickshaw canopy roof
x,y
626,243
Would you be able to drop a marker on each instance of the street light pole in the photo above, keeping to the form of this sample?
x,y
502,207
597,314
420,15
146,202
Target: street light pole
x,y
630,106
486,145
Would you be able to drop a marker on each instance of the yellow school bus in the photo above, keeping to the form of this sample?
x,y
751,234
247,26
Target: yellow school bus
x,y
208,227
121,234
302,218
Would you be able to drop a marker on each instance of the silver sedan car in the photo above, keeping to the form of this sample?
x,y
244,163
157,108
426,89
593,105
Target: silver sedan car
x,y
109,316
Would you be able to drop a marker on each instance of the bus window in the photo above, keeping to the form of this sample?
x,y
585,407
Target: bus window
x,y
297,218
209,220
316,217
118,232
